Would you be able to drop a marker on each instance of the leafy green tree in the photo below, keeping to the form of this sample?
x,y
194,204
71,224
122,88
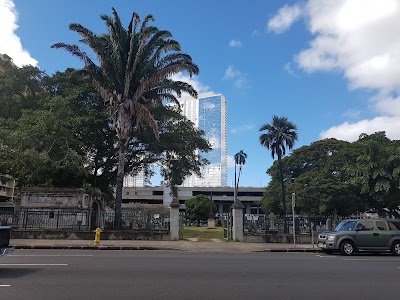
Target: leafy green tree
x,y
316,173
20,88
240,159
377,171
281,134
35,137
90,127
71,117
176,152
199,208
134,73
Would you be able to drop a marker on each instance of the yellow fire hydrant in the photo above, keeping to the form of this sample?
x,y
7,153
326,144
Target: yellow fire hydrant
x,y
97,236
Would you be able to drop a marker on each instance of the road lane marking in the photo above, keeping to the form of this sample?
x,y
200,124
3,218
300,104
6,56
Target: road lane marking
x,y
4,285
44,255
371,259
327,256
33,264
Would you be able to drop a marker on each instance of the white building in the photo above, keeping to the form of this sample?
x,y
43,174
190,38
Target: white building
x,y
135,181
209,113
222,197
8,194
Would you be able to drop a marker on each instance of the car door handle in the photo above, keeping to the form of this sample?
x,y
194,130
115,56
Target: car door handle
x,y
376,234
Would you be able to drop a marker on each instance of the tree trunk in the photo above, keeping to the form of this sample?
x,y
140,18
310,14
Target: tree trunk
x,y
119,186
238,180
283,195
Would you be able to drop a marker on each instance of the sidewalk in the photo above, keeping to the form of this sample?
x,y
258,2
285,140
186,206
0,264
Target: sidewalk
x,y
162,245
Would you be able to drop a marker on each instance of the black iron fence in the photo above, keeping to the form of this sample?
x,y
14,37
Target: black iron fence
x,y
272,224
74,219
140,220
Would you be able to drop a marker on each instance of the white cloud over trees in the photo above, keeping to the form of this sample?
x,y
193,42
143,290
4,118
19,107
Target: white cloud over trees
x,y
10,43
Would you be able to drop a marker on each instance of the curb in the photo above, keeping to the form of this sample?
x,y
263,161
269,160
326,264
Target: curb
x,y
290,250
149,248
42,247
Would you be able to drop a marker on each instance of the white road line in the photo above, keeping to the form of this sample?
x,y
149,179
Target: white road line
x,y
322,256
33,255
33,264
371,259
4,285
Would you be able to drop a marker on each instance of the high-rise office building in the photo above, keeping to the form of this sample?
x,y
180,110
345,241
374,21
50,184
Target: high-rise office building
x,y
134,181
208,113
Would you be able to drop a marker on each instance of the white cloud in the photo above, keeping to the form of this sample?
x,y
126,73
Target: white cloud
x,y
288,68
235,44
231,161
239,78
359,38
352,114
285,17
231,72
10,43
243,128
241,83
193,81
387,104
351,131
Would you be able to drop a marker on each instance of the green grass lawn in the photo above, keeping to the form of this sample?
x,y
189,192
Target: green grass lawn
x,y
203,234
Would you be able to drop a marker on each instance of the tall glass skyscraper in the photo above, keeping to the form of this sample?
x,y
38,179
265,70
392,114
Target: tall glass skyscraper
x,y
208,113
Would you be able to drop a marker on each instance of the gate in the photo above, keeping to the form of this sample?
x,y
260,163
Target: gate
x,y
181,224
227,226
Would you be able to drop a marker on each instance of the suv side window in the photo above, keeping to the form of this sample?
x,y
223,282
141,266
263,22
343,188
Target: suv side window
x,y
365,226
394,225
381,225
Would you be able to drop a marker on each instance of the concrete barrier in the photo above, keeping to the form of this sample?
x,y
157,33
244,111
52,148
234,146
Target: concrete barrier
x,y
89,235
278,238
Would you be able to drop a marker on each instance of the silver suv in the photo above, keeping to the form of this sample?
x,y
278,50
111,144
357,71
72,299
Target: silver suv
x,y
352,236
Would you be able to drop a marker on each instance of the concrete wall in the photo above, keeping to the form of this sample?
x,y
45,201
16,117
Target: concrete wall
x,y
60,198
279,238
89,235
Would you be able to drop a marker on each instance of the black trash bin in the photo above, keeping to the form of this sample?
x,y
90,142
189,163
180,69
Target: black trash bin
x,y
5,233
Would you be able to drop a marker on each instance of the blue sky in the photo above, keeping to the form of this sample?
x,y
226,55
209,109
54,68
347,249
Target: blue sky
x,y
330,66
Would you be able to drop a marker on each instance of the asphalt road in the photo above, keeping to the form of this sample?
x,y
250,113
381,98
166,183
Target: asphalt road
x,y
107,274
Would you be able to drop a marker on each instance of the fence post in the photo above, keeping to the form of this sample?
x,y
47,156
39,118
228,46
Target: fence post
x,y
328,224
237,228
174,219
271,217
26,212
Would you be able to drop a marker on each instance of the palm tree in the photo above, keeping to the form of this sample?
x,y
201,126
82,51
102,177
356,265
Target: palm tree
x,y
281,134
240,159
133,73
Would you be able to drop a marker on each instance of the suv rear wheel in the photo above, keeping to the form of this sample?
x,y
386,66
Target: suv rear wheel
x,y
395,248
347,248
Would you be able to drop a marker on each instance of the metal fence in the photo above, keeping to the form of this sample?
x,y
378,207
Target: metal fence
x,y
139,220
70,219
271,224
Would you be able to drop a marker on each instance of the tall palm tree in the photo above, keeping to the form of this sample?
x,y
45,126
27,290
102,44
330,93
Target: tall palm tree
x,y
133,73
240,159
281,134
